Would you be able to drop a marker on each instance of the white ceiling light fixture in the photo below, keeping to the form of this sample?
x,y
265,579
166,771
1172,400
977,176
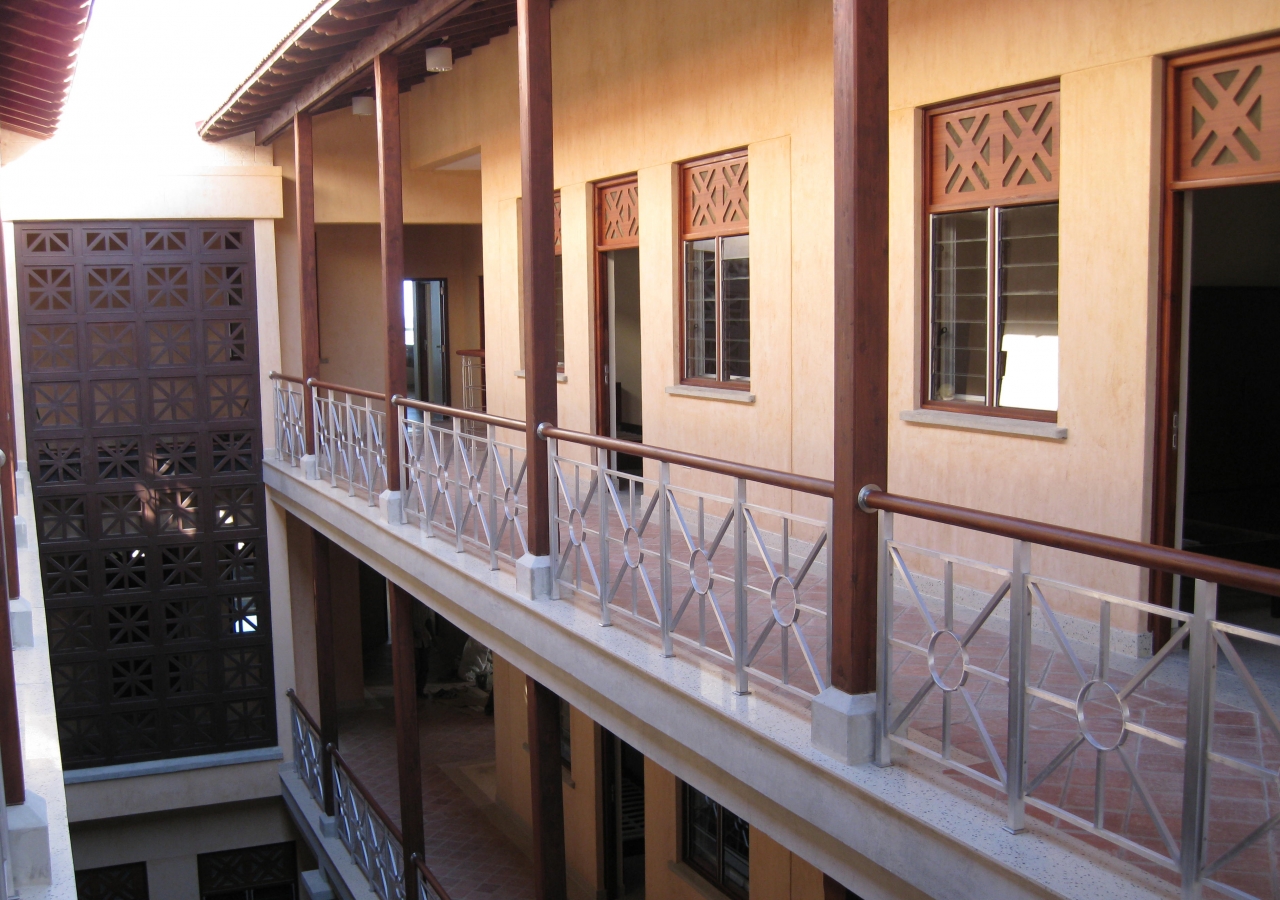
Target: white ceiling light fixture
x,y
362,106
439,59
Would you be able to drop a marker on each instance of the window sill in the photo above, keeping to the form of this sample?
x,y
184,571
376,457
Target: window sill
x,y
691,877
941,418
167,766
560,376
709,393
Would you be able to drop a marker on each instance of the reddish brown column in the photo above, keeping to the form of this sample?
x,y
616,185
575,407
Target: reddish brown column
x,y
861,329
326,671
386,78
549,874
538,251
408,754
308,291
834,890
10,739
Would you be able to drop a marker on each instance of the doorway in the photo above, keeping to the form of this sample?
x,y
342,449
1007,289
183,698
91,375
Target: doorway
x,y
426,339
1229,485
619,373
623,768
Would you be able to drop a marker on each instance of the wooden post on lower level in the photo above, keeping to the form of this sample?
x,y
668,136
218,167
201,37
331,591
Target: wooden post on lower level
x,y
408,751
326,669
861,330
550,878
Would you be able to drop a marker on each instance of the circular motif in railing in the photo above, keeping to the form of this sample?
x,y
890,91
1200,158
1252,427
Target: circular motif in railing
x,y
575,528
473,491
632,552
510,504
783,599
948,661
700,571
442,481
1103,716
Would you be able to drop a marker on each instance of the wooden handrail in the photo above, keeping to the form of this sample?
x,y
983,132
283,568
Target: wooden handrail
x,y
426,873
353,391
280,376
453,411
1246,576
297,704
479,353
368,797
808,484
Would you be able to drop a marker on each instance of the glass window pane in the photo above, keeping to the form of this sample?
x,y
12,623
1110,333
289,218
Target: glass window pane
x,y
410,294
559,268
958,325
736,299
1027,314
700,308
701,832
737,869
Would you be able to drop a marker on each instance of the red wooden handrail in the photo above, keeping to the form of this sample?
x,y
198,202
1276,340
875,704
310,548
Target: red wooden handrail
x,y
368,797
353,391
280,376
297,704
426,873
453,411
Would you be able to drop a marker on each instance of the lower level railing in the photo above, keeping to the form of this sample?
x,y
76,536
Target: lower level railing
x,y
307,748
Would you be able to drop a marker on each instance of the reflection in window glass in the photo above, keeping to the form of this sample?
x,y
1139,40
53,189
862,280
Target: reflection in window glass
x,y
959,315
700,309
1027,315
717,844
736,291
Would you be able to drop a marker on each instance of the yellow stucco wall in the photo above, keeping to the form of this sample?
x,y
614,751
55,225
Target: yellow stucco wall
x,y
633,93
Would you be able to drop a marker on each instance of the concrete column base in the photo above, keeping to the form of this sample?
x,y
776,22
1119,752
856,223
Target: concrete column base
x,y
392,504
844,725
315,886
20,532
29,842
21,477
328,825
533,577
20,630
310,467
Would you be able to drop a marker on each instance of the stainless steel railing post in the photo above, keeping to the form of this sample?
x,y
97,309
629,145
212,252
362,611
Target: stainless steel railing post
x,y
1019,701
1201,678
884,631
740,585
602,502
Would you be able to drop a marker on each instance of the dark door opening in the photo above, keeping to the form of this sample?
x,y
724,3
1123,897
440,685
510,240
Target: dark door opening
x,y
1229,503
426,339
620,407
623,768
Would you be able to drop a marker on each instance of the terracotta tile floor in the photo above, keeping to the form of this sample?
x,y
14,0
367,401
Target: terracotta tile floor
x,y
472,858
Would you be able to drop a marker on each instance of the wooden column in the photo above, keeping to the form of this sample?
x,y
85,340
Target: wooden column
x,y
326,669
861,329
834,890
386,78
308,290
408,754
549,874
10,738
537,214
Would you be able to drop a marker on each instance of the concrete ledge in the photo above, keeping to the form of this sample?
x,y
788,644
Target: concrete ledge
x,y
339,869
20,628
709,393
315,886
29,841
165,766
941,418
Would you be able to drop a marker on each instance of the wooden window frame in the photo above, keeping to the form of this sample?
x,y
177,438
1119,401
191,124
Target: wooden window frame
x,y
601,245
716,880
718,235
559,255
929,211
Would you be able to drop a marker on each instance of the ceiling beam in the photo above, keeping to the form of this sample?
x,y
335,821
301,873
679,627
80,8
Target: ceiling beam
x,y
411,22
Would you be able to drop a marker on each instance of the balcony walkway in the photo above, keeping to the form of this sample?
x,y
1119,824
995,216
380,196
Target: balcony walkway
x,y
468,853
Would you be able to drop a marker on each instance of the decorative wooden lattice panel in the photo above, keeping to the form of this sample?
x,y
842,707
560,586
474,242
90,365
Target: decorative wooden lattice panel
x,y
127,882
716,197
1229,118
555,208
617,215
994,153
251,867
140,369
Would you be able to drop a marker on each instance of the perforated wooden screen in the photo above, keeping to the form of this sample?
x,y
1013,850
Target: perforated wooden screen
x,y
140,375
127,882
617,215
994,154
716,197
251,867
1228,118
555,209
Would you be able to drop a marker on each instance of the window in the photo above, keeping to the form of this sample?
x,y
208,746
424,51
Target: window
x,y
127,882
992,337
716,843
717,271
559,268
268,872
566,744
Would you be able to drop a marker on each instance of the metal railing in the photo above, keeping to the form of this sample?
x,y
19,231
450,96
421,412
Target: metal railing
x,y
372,839
308,752
461,481
350,426
741,579
473,386
291,428
1143,754
428,887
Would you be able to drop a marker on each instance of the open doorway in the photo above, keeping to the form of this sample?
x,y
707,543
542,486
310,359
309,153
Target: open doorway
x,y
623,770
619,375
1229,483
426,339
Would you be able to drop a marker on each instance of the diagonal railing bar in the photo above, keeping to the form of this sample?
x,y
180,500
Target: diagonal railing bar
x,y
1058,633
372,839
307,749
